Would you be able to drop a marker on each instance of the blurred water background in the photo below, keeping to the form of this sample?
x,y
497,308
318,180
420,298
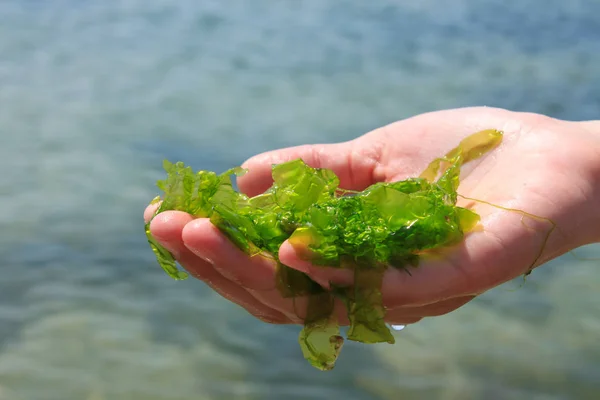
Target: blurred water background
x,y
94,94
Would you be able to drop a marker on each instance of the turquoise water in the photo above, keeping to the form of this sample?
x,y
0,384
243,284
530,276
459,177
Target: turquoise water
x,y
94,94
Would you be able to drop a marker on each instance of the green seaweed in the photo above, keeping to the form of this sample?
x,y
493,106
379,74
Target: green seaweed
x,y
386,225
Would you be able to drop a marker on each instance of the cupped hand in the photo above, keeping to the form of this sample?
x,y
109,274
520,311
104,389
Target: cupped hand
x,y
546,167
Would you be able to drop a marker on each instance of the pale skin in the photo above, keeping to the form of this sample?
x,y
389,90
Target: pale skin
x,y
544,166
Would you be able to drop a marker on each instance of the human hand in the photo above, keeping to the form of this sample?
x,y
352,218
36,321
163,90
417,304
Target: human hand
x,y
544,166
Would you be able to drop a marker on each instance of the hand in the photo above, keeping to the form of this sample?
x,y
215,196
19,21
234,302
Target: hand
x,y
544,166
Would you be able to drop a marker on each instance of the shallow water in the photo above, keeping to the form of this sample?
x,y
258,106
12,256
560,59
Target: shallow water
x,y
94,94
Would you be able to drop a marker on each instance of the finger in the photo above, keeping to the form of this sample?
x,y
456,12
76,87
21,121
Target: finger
x,y
244,299
592,126
256,274
401,319
402,314
479,264
296,308
206,241
399,315
149,211
426,284
353,164
167,228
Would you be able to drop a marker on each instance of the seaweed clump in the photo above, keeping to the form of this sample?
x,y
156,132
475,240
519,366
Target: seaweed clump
x,y
388,225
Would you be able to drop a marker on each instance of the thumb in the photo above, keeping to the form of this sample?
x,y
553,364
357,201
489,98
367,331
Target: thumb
x,y
354,169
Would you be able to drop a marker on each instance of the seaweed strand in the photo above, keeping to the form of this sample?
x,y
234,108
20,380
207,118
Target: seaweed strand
x,y
553,226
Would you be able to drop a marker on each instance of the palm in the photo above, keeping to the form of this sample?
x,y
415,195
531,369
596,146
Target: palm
x,y
528,172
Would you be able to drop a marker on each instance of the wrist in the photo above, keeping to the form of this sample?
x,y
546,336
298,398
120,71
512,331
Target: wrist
x,y
592,129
